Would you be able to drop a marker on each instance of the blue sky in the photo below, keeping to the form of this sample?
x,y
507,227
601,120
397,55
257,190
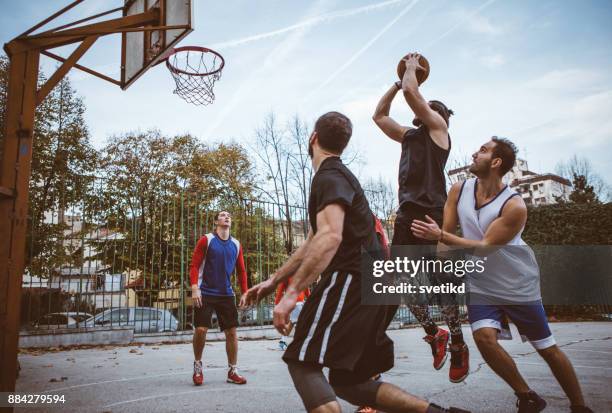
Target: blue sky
x,y
536,72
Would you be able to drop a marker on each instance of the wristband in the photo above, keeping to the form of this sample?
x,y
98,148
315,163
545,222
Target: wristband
x,y
398,85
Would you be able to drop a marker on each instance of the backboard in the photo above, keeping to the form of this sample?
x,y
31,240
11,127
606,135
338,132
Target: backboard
x,y
142,49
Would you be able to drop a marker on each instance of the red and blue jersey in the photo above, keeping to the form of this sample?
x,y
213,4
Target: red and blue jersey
x,y
213,263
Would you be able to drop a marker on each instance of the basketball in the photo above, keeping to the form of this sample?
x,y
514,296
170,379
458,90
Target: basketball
x,y
420,74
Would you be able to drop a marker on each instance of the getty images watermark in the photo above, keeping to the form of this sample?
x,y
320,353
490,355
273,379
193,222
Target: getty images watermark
x,y
505,275
406,269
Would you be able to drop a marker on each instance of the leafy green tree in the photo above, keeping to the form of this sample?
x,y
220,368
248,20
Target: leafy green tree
x,y
583,193
160,194
62,156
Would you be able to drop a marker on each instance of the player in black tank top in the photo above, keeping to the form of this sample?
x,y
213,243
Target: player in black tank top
x,y
422,191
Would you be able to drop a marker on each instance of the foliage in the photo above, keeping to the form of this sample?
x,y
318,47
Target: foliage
x,y
581,168
569,224
160,194
582,192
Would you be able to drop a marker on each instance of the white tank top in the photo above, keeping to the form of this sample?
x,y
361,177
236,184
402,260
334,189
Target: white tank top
x,y
511,273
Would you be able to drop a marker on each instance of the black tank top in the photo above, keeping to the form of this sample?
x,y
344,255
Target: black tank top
x,y
421,170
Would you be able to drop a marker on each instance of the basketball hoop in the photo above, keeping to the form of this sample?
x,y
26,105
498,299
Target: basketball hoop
x,y
195,70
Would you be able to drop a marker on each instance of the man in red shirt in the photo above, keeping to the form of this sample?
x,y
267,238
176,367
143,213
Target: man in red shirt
x,y
293,318
214,259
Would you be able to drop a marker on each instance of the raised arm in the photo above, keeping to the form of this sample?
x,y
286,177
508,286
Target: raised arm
x,y
418,104
386,123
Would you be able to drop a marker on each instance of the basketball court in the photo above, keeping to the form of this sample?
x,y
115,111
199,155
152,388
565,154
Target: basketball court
x,y
157,378
154,35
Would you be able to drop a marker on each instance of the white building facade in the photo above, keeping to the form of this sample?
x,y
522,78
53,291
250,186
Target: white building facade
x,y
535,189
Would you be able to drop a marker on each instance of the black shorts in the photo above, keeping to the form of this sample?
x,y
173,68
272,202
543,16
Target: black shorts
x,y
336,331
224,306
402,234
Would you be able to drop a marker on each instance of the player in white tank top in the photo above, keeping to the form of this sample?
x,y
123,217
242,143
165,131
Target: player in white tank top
x,y
490,214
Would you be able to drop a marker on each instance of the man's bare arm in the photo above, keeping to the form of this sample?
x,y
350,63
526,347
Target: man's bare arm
x,y
410,86
451,217
323,247
500,232
386,123
293,263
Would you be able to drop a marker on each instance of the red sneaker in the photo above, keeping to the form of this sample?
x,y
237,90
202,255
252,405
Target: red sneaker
x,y
439,344
460,363
198,375
234,377
365,409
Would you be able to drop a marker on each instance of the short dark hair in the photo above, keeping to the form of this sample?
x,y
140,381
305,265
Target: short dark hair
x,y
442,109
334,131
506,151
218,213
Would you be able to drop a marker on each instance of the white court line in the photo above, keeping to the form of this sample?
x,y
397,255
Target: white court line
x,y
76,386
575,365
590,351
202,390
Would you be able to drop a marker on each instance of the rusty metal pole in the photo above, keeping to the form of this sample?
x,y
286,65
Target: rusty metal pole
x,y
14,181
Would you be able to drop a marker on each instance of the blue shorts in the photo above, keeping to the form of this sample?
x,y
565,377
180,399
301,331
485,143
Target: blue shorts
x,y
530,319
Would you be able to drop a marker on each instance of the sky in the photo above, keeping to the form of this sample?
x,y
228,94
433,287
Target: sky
x,y
538,73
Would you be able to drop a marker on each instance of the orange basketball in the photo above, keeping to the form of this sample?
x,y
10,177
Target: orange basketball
x,y
421,75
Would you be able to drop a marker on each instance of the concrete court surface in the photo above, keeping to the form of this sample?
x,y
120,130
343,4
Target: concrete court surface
x,y
157,378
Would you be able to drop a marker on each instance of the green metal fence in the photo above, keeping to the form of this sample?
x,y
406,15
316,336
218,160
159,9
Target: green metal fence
x,y
114,258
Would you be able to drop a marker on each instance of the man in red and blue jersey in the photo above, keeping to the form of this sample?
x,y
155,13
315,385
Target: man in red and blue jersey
x,y
214,259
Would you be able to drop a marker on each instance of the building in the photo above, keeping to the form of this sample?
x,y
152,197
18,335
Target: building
x,y
535,189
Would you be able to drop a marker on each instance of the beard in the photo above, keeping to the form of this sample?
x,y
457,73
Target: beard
x,y
310,150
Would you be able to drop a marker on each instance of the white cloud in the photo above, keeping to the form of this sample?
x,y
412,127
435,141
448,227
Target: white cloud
x,y
562,79
308,23
465,19
363,49
479,24
493,61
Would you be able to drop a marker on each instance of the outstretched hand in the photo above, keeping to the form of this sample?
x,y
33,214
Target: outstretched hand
x,y
412,62
256,293
426,230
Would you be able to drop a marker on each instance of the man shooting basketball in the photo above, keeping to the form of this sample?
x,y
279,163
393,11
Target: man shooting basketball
x,y
490,214
422,191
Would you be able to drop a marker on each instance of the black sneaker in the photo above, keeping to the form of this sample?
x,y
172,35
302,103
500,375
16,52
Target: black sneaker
x,y
530,402
580,409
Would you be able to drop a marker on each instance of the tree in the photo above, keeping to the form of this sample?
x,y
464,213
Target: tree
x,y
62,156
160,194
581,167
381,197
273,152
582,192
301,165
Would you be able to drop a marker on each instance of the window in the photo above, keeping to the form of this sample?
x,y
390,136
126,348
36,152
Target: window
x,y
116,316
145,315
